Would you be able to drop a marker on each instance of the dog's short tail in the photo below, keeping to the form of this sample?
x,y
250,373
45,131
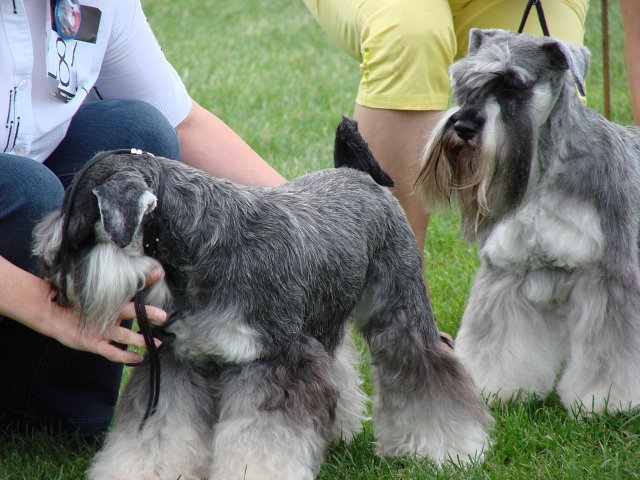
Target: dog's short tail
x,y
350,150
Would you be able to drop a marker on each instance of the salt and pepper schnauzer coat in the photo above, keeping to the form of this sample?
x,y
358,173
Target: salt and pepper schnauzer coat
x,y
551,190
261,284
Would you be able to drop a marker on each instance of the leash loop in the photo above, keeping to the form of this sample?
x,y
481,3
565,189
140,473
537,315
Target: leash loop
x,y
541,17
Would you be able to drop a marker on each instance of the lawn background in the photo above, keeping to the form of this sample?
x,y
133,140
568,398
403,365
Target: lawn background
x,y
267,69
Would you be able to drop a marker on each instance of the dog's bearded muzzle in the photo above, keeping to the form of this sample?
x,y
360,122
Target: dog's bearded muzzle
x,y
467,124
98,282
451,156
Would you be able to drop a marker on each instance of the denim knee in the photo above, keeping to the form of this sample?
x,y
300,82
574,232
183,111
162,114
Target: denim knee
x,y
125,123
112,125
28,191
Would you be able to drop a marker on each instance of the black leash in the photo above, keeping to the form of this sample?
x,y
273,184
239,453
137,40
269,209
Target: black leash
x,y
153,355
150,333
541,17
151,241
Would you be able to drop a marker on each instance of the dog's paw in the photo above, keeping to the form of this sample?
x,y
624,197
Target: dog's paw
x,y
441,432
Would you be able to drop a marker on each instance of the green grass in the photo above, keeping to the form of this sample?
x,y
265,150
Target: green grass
x,y
267,69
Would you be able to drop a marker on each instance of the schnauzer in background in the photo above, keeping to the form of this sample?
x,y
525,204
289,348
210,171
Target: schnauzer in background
x,y
551,190
261,285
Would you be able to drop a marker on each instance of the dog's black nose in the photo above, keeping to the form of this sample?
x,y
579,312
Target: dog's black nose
x,y
466,129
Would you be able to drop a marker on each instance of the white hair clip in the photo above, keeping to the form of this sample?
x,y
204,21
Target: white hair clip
x,y
137,151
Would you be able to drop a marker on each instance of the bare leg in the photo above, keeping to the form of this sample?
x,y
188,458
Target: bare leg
x,y
396,138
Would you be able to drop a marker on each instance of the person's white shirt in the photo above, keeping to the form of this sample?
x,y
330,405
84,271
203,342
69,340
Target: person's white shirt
x,y
122,60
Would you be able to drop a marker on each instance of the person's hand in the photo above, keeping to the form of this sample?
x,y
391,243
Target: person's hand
x,y
68,330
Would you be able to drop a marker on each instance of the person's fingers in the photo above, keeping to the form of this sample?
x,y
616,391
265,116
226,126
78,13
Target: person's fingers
x,y
127,337
153,276
154,314
115,354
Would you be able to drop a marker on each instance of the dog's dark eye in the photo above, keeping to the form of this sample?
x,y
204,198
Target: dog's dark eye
x,y
510,81
513,81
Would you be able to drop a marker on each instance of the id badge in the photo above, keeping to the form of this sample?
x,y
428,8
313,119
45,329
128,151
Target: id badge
x,y
72,31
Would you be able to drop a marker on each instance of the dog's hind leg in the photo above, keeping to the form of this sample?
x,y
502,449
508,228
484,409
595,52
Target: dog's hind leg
x,y
509,339
602,368
175,440
276,416
425,402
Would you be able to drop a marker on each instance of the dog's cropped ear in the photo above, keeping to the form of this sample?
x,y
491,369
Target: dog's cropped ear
x,y
477,36
123,201
572,57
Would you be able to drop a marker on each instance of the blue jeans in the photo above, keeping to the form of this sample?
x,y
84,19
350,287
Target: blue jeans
x,y
43,383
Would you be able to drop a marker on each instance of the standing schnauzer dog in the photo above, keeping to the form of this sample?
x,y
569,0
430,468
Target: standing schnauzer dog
x,y
261,285
551,190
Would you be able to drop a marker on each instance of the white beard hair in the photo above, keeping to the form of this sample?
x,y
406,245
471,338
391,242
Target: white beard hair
x,y
111,277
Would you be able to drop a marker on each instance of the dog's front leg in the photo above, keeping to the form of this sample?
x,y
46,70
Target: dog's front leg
x,y
276,416
174,441
601,373
510,343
